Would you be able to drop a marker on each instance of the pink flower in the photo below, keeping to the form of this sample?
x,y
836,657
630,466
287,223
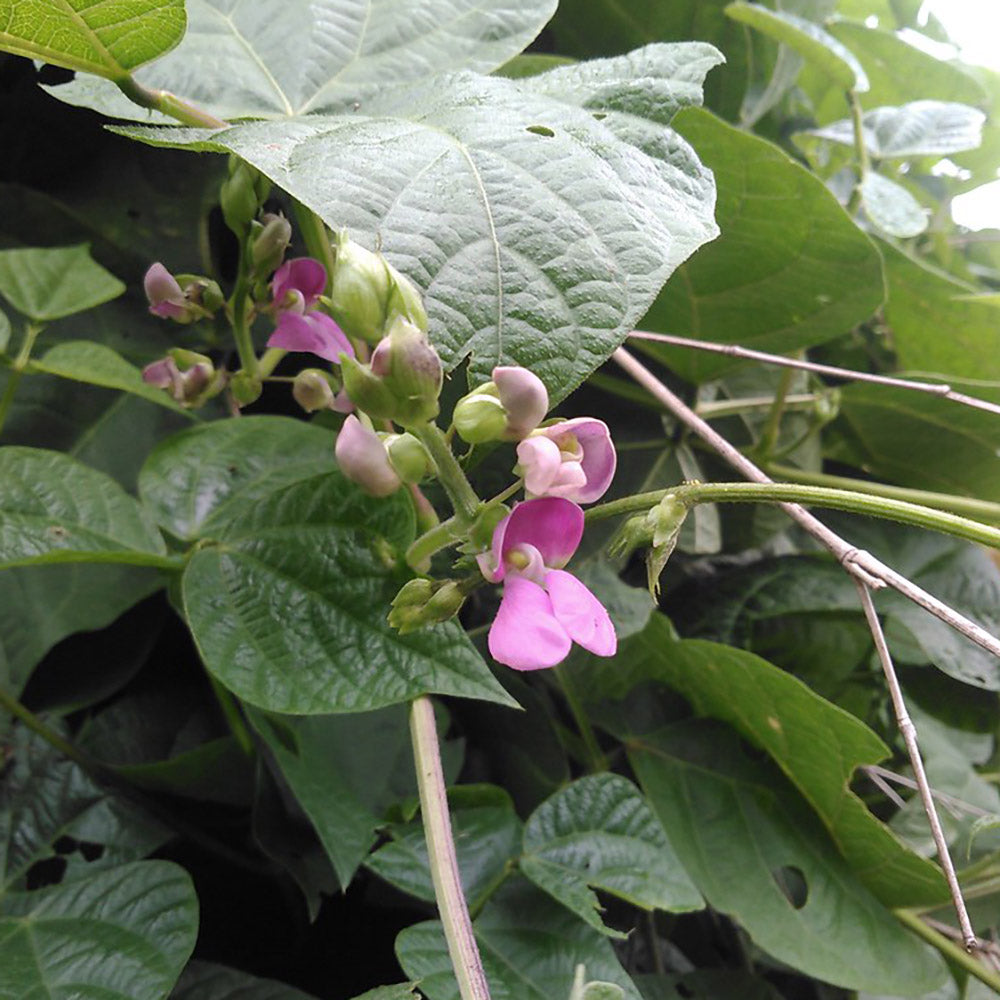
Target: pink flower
x,y
295,289
362,457
166,297
544,609
574,459
523,396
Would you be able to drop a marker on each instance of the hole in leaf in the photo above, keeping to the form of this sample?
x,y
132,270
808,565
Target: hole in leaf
x,y
541,130
792,883
46,872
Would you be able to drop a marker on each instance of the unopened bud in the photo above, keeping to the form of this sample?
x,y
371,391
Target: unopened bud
x,y
245,388
407,456
366,390
313,390
362,457
665,520
411,370
524,398
239,195
367,293
270,244
480,416
423,602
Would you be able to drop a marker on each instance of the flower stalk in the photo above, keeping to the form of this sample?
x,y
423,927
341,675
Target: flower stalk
x,y
463,497
451,902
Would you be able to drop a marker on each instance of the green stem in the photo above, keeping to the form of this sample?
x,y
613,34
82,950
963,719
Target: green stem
x,y
234,718
856,503
980,510
769,436
240,306
269,361
451,903
598,762
449,472
864,163
17,367
733,407
949,949
434,540
168,104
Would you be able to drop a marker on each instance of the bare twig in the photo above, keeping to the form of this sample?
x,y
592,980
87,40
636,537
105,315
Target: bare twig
x,y
909,733
745,354
860,564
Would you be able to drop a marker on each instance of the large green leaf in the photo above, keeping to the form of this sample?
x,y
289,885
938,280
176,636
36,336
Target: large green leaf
x,y
530,948
46,284
806,38
589,28
208,981
247,60
790,270
57,510
599,832
759,855
540,232
97,364
205,476
106,37
815,743
120,934
891,208
487,836
344,771
45,798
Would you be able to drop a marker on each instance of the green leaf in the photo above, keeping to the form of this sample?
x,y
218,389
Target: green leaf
x,y
589,28
530,947
45,798
344,772
58,510
817,745
105,37
707,984
243,60
763,858
41,605
535,249
96,364
920,128
204,477
806,38
4,332
487,836
402,991
891,208
790,270
121,934
599,832
208,981
46,284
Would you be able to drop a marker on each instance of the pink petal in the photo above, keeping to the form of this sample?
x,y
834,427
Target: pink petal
x,y
301,274
569,481
362,458
580,613
525,634
314,332
599,457
553,525
539,460
523,395
166,297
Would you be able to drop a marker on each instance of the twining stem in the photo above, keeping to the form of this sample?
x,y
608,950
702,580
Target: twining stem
x,y
17,367
449,472
691,494
949,949
598,762
452,907
909,733
980,510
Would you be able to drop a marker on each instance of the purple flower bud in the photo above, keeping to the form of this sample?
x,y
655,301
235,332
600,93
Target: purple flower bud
x,y
362,458
166,298
524,397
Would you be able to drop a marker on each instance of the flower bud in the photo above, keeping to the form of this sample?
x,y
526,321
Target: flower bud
x,y
411,370
313,390
245,388
423,602
190,378
240,196
367,391
362,457
480,416
367,293
407,456
524,398
665,520
270,244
